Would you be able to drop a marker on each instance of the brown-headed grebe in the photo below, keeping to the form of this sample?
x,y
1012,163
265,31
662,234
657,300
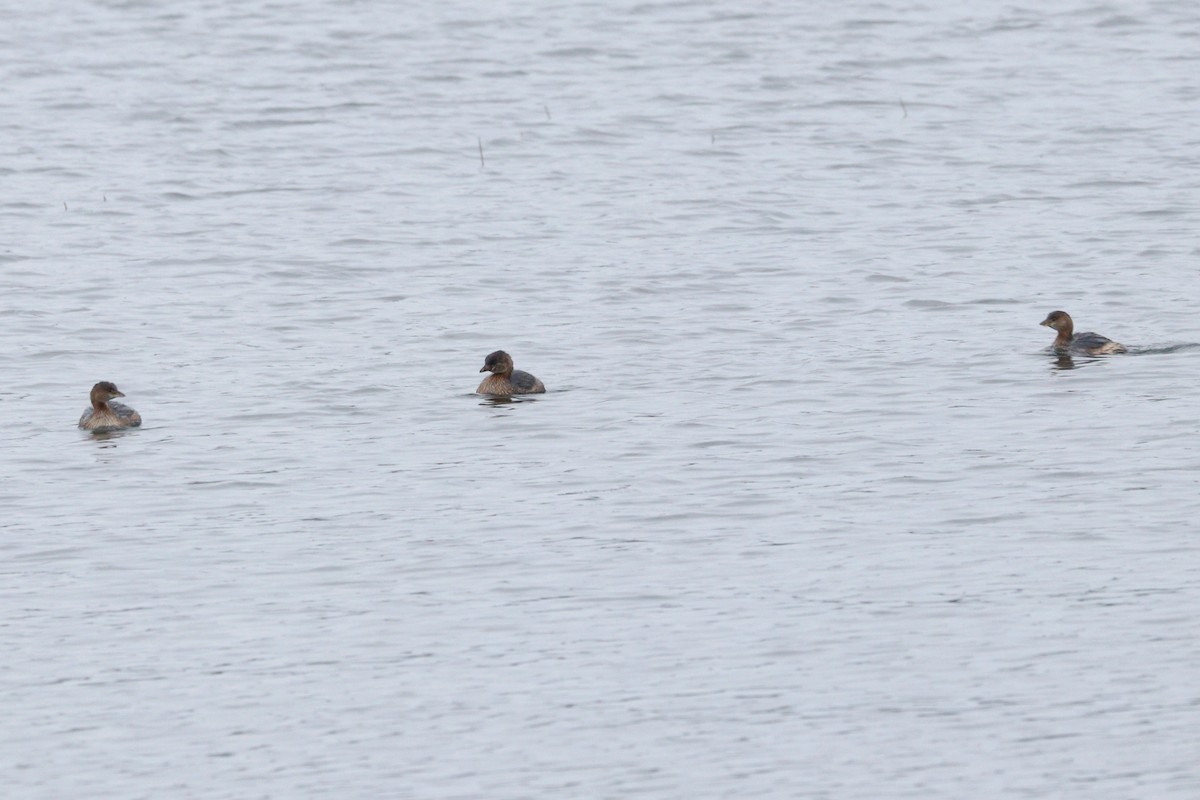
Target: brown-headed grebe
x,y
104,416
504,380
1087,343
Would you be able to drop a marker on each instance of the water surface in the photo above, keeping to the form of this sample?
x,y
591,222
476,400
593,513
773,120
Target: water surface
x,y
809,510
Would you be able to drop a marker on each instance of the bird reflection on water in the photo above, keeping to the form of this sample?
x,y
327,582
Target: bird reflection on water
x,y
1062,361
502,400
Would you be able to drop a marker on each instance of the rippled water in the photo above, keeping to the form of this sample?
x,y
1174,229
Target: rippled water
x,y
809,510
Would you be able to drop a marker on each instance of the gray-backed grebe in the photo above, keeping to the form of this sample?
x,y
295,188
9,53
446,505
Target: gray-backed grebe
x,y
106,416
1086,343
504,380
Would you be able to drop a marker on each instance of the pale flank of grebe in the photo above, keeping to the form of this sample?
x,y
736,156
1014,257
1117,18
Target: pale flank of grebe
x,y
504,380
1086,343
105,415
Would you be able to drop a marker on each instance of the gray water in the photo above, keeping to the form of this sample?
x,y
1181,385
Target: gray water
x,y
809,509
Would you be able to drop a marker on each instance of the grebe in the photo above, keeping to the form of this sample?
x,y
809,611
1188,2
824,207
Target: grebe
x,y
105,416
504,380
1087,343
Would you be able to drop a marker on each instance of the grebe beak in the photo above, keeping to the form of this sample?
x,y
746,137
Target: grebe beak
x,y
483,368
118,393
1045,323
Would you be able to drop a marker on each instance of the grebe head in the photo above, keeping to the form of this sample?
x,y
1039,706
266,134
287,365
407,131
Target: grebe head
x,y
104,391
1058,320
499,362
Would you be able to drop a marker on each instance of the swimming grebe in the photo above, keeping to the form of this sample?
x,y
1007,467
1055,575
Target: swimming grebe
x,y
504,380
104,416
1088,343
